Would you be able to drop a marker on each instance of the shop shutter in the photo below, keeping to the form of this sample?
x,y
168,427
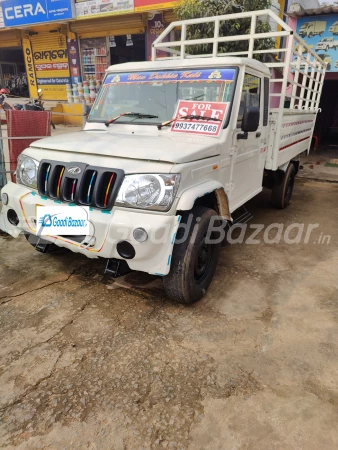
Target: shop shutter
x,y
109,26
51,63
10,38
169,16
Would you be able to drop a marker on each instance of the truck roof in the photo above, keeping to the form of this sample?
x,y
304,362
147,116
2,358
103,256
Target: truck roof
x,y
187,63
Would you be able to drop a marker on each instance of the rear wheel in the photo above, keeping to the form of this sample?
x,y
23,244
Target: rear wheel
x,y
195,259
283,188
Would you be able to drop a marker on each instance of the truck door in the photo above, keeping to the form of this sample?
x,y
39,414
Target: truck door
x,y
250,153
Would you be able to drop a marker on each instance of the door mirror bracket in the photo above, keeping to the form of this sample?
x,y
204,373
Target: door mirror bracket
x,y
242,135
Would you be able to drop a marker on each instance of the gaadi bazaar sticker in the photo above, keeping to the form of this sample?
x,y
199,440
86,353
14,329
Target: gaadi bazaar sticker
x,y
214,110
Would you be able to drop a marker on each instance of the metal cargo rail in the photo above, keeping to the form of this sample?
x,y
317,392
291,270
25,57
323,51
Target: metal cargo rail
x,y
292,62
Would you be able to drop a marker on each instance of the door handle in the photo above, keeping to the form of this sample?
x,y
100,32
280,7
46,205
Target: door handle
x,y
258,134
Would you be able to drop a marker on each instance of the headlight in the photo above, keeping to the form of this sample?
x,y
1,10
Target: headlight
x,y
27,171
148,191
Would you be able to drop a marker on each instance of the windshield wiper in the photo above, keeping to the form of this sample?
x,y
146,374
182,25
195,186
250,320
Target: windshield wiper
x,y
139,115
188,116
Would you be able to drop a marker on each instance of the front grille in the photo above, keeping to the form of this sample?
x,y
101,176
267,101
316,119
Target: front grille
x,y
79,183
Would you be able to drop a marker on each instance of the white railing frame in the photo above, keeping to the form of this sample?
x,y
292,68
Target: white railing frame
x,y
302,68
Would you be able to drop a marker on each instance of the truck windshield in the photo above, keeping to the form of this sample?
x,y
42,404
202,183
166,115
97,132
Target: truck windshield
x,y
158,93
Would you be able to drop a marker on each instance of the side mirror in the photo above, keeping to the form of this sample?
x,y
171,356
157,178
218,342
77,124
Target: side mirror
x,y
250,121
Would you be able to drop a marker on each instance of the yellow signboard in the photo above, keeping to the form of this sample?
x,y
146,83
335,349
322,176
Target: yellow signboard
x,y
51,64
30,69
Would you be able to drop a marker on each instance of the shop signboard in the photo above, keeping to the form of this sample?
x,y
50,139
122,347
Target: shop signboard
x,y
31,12
97,8
51,67
321,35
2,23
148,5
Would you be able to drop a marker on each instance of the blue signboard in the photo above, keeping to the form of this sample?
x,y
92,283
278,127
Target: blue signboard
x,y
173,76
321,35
29,12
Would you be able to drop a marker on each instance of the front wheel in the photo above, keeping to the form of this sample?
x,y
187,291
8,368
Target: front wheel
x,y
283,188
194,260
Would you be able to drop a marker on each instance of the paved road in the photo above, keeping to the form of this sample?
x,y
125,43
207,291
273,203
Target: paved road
x,y
87,363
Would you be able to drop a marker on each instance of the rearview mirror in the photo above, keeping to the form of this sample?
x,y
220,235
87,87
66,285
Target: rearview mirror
x,y
250,121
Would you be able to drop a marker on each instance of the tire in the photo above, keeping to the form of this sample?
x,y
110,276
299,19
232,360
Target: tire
x,y
282,189
194,261
321,34
310,35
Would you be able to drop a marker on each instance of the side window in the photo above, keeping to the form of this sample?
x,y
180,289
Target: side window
x,y
250,95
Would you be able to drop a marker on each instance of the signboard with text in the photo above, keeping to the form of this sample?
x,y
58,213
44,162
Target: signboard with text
x,y
19,12
2,23
97,8
147,5
210,123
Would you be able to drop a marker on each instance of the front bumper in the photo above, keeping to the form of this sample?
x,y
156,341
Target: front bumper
x,y
109,228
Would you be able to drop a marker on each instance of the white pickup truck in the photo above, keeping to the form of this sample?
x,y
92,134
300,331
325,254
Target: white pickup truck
x,y
170,150
326,44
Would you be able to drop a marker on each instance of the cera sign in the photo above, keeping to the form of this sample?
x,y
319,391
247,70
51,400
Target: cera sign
x,y
28,12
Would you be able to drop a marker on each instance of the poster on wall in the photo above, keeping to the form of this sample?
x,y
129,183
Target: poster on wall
x,y
155,27
321,35
97,8
74,60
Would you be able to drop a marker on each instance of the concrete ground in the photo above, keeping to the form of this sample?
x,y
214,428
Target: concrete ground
x,y
89,363
321,164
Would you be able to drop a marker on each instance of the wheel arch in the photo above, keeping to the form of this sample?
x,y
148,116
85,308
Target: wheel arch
x,y
209,194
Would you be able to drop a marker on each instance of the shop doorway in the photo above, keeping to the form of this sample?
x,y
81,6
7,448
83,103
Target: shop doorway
x,y
13,72
129,48
327,120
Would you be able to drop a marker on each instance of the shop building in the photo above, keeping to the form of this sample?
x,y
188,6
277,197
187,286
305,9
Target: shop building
x,y
40,30
68,41
319,28
117,32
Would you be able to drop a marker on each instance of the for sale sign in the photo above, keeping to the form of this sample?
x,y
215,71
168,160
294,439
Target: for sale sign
x,y
205,118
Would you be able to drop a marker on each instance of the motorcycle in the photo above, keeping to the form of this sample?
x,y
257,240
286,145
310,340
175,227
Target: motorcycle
x,y
36,104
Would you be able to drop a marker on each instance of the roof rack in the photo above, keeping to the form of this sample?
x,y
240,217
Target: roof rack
x,y
294,65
